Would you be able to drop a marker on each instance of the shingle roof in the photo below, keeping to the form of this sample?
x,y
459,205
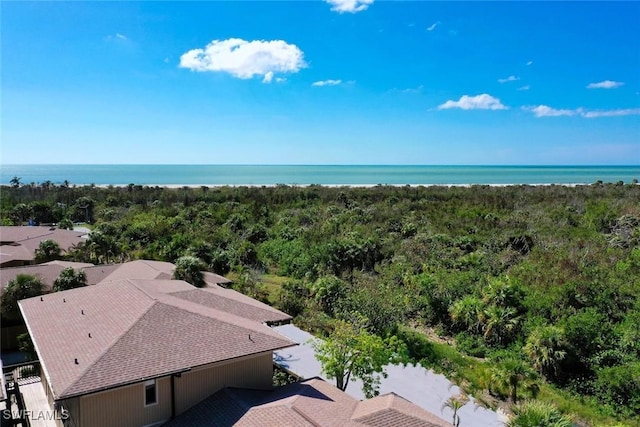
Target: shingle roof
x,y
20,243
312,403
126,331
47,272
233,302
393,410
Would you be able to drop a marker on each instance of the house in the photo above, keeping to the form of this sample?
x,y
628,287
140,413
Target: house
x,y
18,244
311,403
138,269
140,352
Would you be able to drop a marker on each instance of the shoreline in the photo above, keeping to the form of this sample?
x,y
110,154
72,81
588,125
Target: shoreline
x,y
177,186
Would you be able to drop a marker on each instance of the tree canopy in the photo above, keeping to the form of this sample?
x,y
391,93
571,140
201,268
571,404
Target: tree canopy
x,y
22,287
350,353
69,278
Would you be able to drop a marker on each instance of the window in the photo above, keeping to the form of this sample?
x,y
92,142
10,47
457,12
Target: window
x,y
150,393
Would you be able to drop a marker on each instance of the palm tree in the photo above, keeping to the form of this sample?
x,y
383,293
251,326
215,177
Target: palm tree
x,y
48,250
15,182
500,323
534,413
455,403
545,348
511,374
468,312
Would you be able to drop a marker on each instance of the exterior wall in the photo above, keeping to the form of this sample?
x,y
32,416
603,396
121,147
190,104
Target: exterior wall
x,y
124,407
198,384
72,406
45,386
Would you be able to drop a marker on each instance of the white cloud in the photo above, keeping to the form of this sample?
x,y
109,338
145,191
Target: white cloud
x,y
351,6
433,26
529,62
116,37
605,84
546,111
327,83
509,79
525,87
244,59
280,79
478,102
612,113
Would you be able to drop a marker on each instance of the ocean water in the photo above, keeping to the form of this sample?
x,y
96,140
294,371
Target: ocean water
x,y
194,175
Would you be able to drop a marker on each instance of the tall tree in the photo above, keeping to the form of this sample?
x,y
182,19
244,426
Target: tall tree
x,y
15,182
189,269
69,279
48,250
351,352
23,286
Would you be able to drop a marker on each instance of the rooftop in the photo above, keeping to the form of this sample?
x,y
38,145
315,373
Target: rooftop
x,y
124,331
313,403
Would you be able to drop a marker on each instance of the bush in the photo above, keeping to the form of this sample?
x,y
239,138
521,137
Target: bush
x,y
471,345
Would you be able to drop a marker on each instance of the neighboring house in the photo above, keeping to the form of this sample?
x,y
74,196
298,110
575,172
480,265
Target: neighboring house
x,y
311,403
18,244
139,269
140,352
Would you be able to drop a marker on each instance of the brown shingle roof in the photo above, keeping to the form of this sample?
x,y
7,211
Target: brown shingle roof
x,y
233,302
309,403
392,410
20,243
138,331
46,273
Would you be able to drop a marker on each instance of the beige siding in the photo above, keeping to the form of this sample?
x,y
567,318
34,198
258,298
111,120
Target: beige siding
x,y
45,387
124,407
198,384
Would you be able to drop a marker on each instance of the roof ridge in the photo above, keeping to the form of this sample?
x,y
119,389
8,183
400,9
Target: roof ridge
x,y
305,416
147,293
220,315
112,343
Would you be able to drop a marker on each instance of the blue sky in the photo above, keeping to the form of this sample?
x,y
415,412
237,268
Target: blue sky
x,y
314,82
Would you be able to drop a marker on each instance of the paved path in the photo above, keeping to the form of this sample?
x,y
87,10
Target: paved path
x,y
415,383
35,401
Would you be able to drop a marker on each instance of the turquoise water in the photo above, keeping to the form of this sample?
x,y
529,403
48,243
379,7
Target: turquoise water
x,y
324,175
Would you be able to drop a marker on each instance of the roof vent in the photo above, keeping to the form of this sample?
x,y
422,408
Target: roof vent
x,y
76,361
89,334
64,300
82,312
41,299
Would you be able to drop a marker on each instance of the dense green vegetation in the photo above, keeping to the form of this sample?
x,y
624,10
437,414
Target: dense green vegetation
x,y
522,291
